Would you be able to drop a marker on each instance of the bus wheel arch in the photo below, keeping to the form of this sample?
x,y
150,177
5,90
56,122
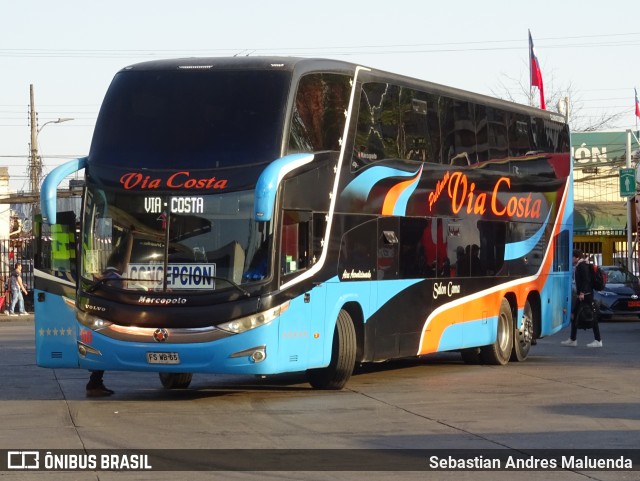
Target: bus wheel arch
x,y
499,352
175,380
343,356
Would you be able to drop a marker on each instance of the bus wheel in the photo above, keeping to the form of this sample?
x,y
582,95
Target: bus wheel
x,y
175,380
471,355
499,352
343,357
522,337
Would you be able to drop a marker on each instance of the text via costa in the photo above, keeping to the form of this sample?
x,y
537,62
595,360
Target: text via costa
x,y
176,205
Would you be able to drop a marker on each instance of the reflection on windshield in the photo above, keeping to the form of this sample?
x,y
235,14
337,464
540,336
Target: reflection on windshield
x,y
149,243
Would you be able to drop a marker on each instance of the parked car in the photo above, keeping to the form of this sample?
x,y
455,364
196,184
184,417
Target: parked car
x,y
620,297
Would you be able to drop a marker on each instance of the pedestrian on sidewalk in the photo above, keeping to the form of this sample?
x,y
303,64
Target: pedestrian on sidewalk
x,y
584,300
16,287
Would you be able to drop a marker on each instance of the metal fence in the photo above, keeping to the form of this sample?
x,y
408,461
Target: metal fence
x,y
13,251
607,250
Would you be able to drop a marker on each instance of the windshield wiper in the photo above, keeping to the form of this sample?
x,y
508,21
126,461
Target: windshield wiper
x,y
104,280
96,284
237,286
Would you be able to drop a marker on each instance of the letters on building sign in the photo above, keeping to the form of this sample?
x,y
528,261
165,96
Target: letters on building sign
x,y
587,155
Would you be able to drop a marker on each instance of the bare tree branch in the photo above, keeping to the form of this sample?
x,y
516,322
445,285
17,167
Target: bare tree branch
x,y
517,90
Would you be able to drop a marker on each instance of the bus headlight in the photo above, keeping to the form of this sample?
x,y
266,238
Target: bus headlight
x,y
247,323
90,321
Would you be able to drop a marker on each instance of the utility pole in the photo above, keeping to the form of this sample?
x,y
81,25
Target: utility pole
x,y
35,165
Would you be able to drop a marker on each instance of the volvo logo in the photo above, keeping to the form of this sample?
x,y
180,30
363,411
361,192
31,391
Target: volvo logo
x,y
91,307
160,335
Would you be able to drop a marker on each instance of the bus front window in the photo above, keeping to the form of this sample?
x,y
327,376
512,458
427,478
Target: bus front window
x,y
170,242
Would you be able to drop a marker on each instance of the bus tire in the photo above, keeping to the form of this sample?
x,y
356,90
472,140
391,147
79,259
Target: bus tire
x,y
175,380
499,352
522,337
343,357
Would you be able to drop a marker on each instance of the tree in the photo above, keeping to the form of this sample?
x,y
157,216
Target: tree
x,y
518,90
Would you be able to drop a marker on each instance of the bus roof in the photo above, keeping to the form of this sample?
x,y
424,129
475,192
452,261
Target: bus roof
x,y
306,65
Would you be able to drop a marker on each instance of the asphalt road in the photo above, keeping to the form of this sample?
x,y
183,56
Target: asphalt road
x,y
560,398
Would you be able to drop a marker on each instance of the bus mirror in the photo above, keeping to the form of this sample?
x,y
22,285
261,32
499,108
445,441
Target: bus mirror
x,y
49,189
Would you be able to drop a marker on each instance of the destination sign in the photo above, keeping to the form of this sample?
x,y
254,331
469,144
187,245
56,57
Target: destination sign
x,y
179,276
176,205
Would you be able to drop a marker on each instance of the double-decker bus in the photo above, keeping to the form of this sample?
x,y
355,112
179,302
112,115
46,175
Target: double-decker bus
x,y
271,215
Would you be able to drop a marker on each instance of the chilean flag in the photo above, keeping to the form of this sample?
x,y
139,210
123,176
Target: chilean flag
x,y
536,74
637,104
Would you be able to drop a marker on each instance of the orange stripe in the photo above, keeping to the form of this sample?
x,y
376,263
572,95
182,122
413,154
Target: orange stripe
x,y
395,192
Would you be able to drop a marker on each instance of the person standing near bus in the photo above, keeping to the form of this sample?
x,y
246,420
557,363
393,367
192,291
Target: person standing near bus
x,y
114,270
584,300
16,286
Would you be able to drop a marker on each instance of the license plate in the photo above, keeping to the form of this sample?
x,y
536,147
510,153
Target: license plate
x,y
633,303
163,358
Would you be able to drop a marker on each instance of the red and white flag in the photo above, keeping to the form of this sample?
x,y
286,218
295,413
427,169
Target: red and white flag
x,y
637,104
536,74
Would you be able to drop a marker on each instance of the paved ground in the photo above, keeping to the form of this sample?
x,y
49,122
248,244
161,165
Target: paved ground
x,y
560,398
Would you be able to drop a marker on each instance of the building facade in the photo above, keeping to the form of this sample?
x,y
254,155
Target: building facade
x,y
600,219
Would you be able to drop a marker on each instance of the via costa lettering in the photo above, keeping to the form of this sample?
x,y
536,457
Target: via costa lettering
x,y
463,196
178,180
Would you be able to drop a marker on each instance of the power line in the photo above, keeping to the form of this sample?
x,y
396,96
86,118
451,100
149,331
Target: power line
x,y
433,47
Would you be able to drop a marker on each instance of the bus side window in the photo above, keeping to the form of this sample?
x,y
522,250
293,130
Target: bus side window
x,y
317,121
294,243
58,241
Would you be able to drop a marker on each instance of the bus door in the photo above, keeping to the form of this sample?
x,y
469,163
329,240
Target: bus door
x,y
295,323
56,328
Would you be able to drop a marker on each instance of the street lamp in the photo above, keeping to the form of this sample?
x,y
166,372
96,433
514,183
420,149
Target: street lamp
x,y
58,121
35,172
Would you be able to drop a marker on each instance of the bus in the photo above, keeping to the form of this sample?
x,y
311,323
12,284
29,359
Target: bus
x,y
277,215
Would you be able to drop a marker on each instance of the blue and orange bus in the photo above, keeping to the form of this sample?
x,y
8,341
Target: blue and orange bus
x,y
271,215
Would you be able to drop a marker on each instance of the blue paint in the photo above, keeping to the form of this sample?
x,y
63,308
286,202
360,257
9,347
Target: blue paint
x,y
515,250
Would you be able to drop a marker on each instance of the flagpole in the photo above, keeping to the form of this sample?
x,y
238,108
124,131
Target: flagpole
x,y
535,75
629,216
530,70
636,107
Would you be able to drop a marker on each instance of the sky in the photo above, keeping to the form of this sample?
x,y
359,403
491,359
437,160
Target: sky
x,y
69,50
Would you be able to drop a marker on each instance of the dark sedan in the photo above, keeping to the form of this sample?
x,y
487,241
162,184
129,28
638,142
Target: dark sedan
x,y
620,296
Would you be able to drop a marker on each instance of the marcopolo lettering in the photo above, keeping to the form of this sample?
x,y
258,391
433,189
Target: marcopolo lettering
x,y
162,300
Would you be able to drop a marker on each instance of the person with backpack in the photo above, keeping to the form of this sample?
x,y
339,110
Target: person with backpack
x,y
583,272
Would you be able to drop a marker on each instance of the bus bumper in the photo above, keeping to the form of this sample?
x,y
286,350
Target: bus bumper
x,y
251,352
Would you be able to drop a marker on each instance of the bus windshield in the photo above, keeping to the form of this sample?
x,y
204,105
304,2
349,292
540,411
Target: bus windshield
x,y
216,118
167,242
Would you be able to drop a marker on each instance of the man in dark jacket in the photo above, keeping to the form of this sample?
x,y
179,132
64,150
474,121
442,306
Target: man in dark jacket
x,y
584,300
